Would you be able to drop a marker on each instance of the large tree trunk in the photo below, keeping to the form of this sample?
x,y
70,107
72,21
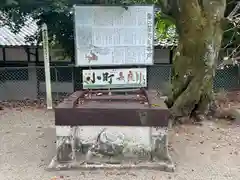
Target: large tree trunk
x,y
200,36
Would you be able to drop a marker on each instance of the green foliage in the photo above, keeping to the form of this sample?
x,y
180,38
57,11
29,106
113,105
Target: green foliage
x,y
57,14
231,30
165,29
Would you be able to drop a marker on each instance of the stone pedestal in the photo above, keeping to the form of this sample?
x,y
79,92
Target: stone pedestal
x,y
112,147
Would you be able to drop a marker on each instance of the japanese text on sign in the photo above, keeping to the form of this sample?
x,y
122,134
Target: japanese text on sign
x,y
114,78
111,35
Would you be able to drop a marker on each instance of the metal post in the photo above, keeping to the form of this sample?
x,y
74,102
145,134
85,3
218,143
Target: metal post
x,y
46,66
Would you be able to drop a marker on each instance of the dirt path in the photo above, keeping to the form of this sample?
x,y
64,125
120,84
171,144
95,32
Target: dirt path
x,y
209,152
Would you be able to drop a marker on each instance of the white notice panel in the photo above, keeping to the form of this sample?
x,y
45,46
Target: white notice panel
x,y
112,35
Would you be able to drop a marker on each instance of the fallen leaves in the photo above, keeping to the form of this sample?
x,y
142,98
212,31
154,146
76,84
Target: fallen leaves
x,y
57,178
225,103
19,105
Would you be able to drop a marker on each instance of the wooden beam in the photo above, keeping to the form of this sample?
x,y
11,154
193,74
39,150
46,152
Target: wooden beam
x,y
37,55
28,54
4,54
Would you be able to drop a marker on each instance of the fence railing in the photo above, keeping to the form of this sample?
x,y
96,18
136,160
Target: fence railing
x,y
17,83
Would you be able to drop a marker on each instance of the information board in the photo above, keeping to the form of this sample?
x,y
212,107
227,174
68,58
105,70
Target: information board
x,y
114,78
113,35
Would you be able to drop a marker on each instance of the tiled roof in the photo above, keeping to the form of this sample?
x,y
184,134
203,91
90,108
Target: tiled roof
x,y
8,38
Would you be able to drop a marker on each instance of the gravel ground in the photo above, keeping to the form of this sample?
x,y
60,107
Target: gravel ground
x,y
208,152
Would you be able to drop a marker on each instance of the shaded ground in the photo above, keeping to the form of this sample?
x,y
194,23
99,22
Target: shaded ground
x,y
209,152
228,99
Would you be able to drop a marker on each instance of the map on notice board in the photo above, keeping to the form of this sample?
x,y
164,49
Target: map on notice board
x,y
112,35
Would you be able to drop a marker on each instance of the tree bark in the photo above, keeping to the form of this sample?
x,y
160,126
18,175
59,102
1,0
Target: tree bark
x,y
200,35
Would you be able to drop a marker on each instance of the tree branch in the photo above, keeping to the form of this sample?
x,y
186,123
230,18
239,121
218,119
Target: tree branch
x,y
164,6
231,15
169,7
214,8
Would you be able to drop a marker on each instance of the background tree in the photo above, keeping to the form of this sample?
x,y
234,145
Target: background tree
x,y
198,26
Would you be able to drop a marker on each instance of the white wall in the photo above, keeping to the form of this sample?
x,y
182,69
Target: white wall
x,y
19,54
66,87
162,56
16,54
18,90
54,55
1,55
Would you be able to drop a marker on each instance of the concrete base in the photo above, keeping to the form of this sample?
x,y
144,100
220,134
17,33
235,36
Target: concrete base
x,y
161,166
88,147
